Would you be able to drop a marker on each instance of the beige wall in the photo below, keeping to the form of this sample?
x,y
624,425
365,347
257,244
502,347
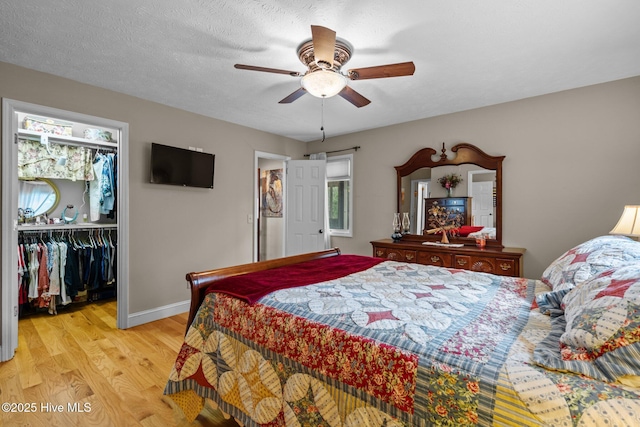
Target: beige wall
x,y
173,230
572,163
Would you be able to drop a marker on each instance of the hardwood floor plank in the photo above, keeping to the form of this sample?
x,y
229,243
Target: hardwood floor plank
x,y
11,390
50,332
79,388
29,377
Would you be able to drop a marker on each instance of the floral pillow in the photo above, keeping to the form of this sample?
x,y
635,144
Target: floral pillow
x,y
602,318
588,259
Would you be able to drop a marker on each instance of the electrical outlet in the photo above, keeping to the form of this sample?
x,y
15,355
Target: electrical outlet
x,y
249,219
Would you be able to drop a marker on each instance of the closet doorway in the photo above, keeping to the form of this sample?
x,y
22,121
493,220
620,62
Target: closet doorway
x,y
61,138
269,198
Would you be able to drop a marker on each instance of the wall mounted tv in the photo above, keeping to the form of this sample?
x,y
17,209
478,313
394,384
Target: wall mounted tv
x,y
179,166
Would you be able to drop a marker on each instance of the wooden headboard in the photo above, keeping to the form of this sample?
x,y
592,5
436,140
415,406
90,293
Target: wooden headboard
x,y
199,282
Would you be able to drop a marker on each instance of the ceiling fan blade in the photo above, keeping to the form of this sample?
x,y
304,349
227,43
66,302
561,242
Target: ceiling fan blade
x,y
324,45
382,71
266,70
353,97
295,95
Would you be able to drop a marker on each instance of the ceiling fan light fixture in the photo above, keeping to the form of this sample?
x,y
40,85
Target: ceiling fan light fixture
x,y
323,83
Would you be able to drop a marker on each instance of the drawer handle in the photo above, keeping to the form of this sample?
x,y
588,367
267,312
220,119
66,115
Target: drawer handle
x,y
462,261
504,266
379,253
435,258
409,257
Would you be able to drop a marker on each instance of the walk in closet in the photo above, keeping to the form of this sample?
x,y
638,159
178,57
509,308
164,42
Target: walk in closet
x,y
66,200
64,183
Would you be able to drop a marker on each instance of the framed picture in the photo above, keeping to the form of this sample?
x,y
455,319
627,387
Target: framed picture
x,y
271,193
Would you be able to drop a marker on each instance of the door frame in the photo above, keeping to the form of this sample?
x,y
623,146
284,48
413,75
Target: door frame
x,y
256,198
9,291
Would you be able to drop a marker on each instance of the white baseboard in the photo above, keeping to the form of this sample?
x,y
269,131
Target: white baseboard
x,y
154,314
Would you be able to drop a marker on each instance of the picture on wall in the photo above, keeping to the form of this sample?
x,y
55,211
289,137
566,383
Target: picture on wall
x,y
271,193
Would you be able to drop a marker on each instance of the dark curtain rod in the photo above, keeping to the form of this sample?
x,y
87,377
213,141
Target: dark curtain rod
x,y
356,148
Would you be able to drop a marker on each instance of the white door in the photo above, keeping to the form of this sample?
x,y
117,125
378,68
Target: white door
x,y
419,191
305,206
482,203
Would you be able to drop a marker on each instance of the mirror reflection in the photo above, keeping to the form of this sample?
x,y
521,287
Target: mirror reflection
x,y
476,193
37,197
477,183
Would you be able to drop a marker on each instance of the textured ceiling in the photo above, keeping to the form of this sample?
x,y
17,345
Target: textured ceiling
x,y
468,54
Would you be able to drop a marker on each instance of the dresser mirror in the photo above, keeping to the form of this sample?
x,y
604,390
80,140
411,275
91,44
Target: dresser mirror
x,y
481,174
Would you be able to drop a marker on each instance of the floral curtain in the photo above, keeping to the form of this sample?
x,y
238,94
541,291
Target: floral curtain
x,y
36,160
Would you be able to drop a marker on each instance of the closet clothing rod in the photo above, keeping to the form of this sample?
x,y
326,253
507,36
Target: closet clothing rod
x,y
44,228
356,148
62,230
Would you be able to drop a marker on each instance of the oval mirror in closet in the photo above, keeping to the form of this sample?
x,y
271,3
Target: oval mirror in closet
x,y
37,197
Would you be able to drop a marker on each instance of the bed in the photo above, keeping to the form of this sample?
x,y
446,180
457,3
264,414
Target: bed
x,y
487,232
329,339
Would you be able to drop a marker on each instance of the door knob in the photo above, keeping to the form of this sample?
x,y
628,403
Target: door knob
x,y
320,231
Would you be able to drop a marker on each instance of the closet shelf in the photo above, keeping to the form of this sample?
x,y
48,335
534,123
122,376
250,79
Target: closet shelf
x,y
71,140
47,227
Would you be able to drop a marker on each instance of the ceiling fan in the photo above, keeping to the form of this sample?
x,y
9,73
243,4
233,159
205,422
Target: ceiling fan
x,y
324,55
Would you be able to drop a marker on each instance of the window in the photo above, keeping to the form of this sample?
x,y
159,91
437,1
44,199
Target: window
x,y
339,196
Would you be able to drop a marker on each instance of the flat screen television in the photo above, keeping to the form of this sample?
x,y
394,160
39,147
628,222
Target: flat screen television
x,y
179,166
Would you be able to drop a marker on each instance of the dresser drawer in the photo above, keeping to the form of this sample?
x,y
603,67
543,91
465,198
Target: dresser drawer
x,y
503,262
410,256
379,252
401,255
395,254
506,267
439,259
475,263
500,266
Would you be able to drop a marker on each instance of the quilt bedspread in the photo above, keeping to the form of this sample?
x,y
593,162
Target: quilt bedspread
x,y
395,345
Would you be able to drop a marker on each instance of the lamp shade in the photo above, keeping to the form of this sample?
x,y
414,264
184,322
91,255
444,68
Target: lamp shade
x,y
323,83
629,222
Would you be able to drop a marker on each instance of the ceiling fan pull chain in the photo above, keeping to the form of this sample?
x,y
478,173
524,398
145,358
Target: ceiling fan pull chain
x,y
322,120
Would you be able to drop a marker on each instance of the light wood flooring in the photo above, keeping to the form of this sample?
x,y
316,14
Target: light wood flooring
x,y
80,358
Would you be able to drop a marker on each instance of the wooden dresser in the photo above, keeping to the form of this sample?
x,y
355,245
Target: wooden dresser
x,y
501,261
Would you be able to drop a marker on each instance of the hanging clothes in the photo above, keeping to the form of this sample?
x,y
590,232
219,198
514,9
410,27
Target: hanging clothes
x,y
64,297
102,190
56,272
43,276
95,188
107,186
112,213
33,271
22,272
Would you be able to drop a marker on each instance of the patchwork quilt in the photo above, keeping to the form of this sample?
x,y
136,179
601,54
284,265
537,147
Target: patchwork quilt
x,y
396,344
